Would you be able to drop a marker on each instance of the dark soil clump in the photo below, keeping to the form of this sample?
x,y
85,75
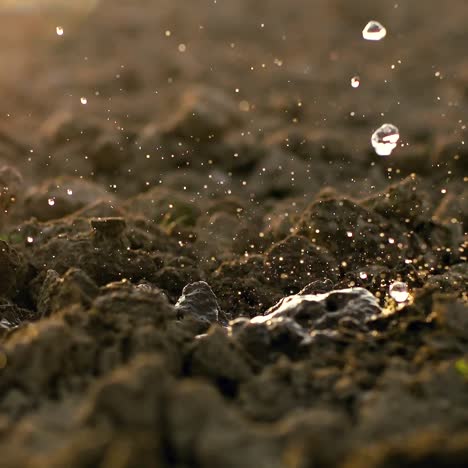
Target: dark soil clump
x,y
198,241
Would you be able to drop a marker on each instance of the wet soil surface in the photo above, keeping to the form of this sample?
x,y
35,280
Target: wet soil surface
x,y
197,239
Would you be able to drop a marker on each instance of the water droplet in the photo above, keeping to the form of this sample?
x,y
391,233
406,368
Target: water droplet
x,y
69,192
355,81
30,239
385,139
399,291
374,31
59,30
84,100
363,275
51,201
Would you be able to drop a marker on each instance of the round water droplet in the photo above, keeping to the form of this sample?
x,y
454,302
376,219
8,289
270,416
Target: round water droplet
x,y
355,81
59,30
69,191
29,239
51,202
374,31
84,100
363,275
385,139
399,291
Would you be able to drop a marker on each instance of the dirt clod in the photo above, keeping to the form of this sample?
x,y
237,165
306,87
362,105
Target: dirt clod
x,y
200,248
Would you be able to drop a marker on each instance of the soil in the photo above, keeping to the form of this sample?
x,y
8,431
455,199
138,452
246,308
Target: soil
x,y
198,240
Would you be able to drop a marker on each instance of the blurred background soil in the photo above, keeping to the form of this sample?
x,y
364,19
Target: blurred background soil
x,y
157,143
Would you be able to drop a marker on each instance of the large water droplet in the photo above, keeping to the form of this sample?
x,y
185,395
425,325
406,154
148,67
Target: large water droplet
x,y
59,30
385,139
355,81
374,31
399,291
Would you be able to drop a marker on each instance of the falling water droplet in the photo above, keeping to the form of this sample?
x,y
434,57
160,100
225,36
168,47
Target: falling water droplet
x,y
30,239
374,31
399,291
51,202
84,100
363,275
355,81
69,192
59,30
385,139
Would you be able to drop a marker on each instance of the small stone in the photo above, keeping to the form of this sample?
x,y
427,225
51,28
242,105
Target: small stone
x,y
324,310
199,300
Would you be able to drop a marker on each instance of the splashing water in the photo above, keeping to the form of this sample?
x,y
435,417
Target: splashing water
x,y
399,291
59,30
385,139
374,31
355,81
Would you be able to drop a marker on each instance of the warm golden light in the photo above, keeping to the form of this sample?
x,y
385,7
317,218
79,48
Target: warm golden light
x,y
28,6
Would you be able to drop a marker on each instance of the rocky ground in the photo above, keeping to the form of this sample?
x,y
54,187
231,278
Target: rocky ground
x,y
198,240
